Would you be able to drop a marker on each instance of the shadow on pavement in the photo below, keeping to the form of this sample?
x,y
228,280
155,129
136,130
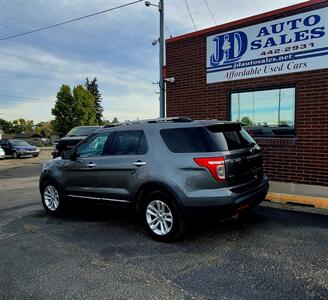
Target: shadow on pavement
x,y
256,219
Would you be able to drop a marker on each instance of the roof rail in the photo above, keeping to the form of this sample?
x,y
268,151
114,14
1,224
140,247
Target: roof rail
x,y
158,120
173,119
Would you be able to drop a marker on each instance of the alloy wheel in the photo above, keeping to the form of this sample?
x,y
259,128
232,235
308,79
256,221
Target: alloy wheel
x,y
51,198
159,217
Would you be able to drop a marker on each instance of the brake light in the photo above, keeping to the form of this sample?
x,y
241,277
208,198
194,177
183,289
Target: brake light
x,y
215,165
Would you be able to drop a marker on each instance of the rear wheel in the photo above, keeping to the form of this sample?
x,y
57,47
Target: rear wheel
x,y
52,198
162,217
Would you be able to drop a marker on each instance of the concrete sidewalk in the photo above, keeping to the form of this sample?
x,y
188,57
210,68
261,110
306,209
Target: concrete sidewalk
x,y
304,194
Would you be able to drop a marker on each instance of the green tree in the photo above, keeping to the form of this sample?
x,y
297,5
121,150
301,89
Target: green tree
x,y
115,121
246,120
44,128
72,109
64,110
26,125
92,87
107,122
85,111
19,125
6,126
16,127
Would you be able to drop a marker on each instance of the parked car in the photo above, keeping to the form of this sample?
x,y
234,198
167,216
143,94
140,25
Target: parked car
x,y
72,138
19,148
2,153
168,170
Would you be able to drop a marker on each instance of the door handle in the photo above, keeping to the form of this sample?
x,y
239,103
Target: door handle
x,y
90,165
139,163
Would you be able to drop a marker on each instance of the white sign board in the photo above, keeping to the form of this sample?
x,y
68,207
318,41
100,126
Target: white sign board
x,y
293,44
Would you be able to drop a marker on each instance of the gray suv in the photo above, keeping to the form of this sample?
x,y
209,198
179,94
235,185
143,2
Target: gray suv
x,y
168,170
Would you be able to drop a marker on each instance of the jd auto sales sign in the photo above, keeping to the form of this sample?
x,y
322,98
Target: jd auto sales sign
x,y
293,44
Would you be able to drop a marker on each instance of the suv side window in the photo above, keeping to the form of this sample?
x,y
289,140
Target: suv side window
x,y
94,146
130,142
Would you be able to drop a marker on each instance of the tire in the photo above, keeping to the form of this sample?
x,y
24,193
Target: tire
x,y
53,199
15,155
161,209
36,155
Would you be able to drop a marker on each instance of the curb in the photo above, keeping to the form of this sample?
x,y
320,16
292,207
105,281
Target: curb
x,y
317,202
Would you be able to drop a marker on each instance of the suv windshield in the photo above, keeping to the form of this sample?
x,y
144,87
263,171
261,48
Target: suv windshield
x,y
20,143
220,137
82,131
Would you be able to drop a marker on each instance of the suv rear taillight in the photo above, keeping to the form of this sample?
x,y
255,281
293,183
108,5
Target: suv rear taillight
x,y
215,165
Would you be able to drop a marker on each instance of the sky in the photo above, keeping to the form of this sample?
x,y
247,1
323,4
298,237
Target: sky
x,y
116,47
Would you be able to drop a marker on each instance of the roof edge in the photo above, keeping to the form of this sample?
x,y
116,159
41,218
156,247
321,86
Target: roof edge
x,y
246,20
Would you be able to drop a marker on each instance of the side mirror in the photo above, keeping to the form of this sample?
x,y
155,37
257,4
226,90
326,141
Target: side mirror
x,y
66,155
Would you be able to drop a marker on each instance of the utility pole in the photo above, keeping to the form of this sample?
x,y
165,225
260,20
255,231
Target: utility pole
x,y
161,41
162,112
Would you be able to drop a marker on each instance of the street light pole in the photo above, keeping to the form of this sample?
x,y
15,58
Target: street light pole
x,y
161,41
162,113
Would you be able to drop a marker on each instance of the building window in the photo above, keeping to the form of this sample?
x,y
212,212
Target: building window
x,y
268,113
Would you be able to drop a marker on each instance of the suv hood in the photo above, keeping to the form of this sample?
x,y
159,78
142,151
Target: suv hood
x,y
71,138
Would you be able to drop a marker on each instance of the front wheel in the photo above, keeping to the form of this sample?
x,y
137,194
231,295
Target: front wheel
x,y
15,155
52,198
162,217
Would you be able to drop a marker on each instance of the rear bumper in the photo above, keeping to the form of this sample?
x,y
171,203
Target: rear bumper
x,y
230,202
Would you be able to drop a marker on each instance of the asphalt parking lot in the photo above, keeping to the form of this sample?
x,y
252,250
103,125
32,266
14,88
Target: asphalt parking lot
x,y
276,252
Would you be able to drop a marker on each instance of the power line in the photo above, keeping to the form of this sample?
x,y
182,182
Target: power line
x,y
192,20
72,55
167,29
70,21
44,41
210,11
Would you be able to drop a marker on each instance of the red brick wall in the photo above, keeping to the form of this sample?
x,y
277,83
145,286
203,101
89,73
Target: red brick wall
x,y
303,159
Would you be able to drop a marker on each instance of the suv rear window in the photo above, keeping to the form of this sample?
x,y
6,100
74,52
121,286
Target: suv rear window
x,y
220,137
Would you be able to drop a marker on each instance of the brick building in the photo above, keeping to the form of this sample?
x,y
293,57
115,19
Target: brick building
x,y
270,72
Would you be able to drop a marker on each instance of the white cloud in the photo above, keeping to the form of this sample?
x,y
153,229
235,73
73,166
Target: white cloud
x,y
115,47
127,92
